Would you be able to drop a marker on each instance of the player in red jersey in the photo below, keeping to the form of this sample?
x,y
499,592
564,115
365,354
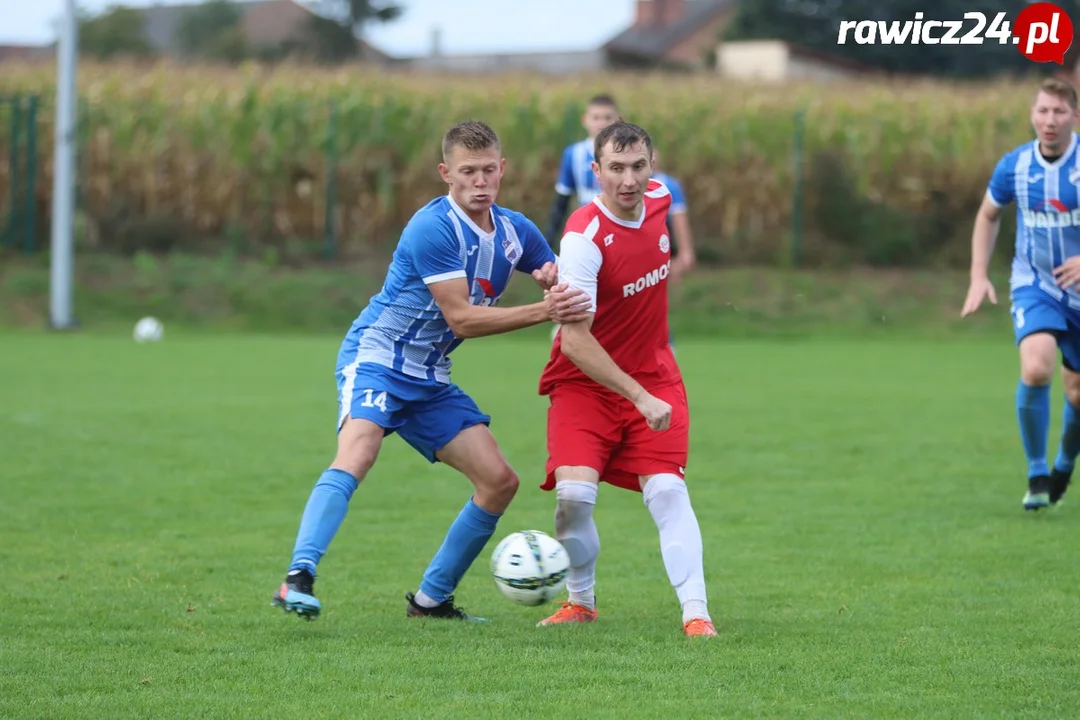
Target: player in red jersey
x,y
618,411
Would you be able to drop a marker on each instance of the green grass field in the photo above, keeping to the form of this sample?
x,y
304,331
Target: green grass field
x,y
866,551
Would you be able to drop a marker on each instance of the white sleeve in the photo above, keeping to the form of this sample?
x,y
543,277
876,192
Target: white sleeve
x,y
579,264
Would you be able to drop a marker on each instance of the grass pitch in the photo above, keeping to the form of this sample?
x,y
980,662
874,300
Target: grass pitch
x,y
866,551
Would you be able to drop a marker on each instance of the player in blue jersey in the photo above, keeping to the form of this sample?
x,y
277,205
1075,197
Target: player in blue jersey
x,y
576,176
1043,179
451,265
678,223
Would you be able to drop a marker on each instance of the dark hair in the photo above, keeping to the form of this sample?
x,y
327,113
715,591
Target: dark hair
x,y
471,135
621,135
602,100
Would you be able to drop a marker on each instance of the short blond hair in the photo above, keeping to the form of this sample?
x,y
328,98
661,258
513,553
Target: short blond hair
x,y
1060,89
472,135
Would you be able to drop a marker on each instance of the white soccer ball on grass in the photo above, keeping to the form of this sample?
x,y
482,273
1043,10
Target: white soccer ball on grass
x,y
530,567
149,329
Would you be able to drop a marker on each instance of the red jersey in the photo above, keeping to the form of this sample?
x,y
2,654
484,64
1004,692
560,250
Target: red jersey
x,y
624,267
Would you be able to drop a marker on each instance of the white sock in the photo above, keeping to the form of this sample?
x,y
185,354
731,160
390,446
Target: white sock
x,y
576,530
424,601
680,542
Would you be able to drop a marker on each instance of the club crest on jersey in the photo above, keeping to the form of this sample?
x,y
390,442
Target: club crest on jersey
x,y
665,244
511,249
1074,174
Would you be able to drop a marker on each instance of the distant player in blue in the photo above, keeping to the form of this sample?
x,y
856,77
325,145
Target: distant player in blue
x,y
1043,179
576,176
682,239
451,265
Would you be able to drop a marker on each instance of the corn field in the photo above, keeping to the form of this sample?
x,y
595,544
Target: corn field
x,y
281,159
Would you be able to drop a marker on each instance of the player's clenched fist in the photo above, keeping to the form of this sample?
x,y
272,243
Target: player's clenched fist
x,y
657,412
547,276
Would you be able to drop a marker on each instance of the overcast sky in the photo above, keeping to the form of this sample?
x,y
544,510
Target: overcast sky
x,y
467,25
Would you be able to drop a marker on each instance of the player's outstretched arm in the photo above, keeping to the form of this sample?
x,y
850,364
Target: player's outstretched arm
x,y
582,349
1000,191
983,239
431,245
579,267
565,305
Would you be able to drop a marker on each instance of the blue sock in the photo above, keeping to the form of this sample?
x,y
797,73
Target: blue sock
x,y
1033,412
323,515
1070,439
467,536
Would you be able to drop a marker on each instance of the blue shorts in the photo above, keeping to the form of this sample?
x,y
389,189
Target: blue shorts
x,y
1035,310
426,414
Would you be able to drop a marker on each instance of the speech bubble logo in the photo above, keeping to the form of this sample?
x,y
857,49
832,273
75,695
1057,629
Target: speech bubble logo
x,y
1043,33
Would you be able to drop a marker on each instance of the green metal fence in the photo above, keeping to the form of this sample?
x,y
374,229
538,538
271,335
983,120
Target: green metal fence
x,y
18,208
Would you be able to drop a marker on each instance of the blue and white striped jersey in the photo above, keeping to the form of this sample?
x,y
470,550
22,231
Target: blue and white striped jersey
x,y
402,327
576,176
1047,197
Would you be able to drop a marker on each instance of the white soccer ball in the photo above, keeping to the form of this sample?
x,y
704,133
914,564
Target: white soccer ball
x,y
149,329
530,567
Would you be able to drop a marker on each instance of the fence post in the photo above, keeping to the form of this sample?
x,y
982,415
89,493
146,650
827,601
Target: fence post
x,y
797,192
14,206
331,182
30,239
82,124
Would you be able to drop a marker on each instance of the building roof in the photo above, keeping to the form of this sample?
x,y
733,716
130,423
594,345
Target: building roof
x,y
262,20
25,52
655,42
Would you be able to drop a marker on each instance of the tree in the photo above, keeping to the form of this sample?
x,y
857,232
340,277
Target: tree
x,y
328,41
332,34
360,13
211,30
116,32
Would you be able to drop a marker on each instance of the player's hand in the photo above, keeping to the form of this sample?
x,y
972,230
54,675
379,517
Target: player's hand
x,y
567,305
979,289
547,276
1068,273
657,412
680,266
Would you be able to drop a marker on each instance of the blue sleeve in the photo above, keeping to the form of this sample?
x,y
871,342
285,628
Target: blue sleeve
x,y
678,198
566,184
435,252
1001,182
535,252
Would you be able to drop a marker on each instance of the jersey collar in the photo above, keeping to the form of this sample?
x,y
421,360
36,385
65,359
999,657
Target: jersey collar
x,y
1061,160
619,221
468,220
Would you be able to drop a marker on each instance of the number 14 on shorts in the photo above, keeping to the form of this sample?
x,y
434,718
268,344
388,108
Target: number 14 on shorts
x,y
373,399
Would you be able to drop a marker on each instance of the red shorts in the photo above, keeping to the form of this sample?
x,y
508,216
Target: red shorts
x,y
589,429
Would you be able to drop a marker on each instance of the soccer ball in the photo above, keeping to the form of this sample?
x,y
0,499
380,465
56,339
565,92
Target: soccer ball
x,y
530,567
149,329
